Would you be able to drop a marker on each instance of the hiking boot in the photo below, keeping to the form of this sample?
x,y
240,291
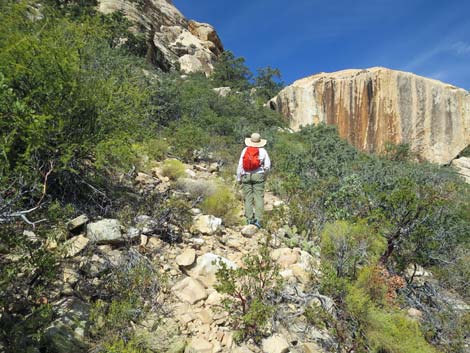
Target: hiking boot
x,y
257,224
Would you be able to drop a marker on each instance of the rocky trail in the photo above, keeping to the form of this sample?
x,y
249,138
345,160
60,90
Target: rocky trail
x,y
194,318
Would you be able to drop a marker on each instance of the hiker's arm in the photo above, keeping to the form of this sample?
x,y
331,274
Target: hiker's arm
x,y
267,162
240,167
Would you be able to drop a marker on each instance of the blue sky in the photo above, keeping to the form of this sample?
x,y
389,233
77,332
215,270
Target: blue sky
x,y
303,37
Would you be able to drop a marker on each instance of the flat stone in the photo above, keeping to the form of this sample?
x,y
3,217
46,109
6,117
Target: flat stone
x,y
275,344
77,222
190,290
75,245
186,258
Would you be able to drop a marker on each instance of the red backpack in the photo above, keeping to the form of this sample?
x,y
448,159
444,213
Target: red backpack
x,y
251,159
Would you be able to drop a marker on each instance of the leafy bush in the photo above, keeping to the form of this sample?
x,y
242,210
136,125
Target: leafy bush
x,y
173,169
251,291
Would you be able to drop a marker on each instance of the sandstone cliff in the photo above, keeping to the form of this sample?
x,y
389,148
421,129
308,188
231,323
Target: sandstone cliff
x,y
375,106
174,41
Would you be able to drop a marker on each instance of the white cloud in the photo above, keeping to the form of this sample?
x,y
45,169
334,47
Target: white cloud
x,y
461,48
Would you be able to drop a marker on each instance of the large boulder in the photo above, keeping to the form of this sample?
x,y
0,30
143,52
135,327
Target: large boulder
x,y
173,41
374,106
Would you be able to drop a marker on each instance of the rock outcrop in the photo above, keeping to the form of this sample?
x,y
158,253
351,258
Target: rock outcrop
x,y
173,41
462,165
378,105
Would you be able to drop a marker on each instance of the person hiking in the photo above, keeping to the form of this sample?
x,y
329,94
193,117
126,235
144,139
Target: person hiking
x,y
251,173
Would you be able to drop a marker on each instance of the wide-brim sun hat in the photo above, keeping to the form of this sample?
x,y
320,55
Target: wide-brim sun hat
x,y
255,140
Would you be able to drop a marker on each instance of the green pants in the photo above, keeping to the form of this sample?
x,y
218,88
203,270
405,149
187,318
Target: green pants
x,y
253,192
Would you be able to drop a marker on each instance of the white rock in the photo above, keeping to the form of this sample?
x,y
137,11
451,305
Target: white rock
x,y
105,231
275,344
222,91
249,230
207,266
207,224
190,290
190,173
186,258
195,211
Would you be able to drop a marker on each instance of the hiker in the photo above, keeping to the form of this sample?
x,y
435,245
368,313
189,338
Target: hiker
x,y
251,173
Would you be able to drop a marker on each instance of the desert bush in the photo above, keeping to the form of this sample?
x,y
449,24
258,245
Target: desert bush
x,y
222,203
173,169
128,293
197,189
251,291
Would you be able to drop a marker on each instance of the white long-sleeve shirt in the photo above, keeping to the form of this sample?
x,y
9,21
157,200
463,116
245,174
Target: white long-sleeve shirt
x,y
264,159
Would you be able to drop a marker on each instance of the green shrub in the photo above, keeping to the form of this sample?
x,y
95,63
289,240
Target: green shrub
x,y
394,333
186,139
222,203
173,169
116,154
384,329
346,246
156,149
133,345
248,289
